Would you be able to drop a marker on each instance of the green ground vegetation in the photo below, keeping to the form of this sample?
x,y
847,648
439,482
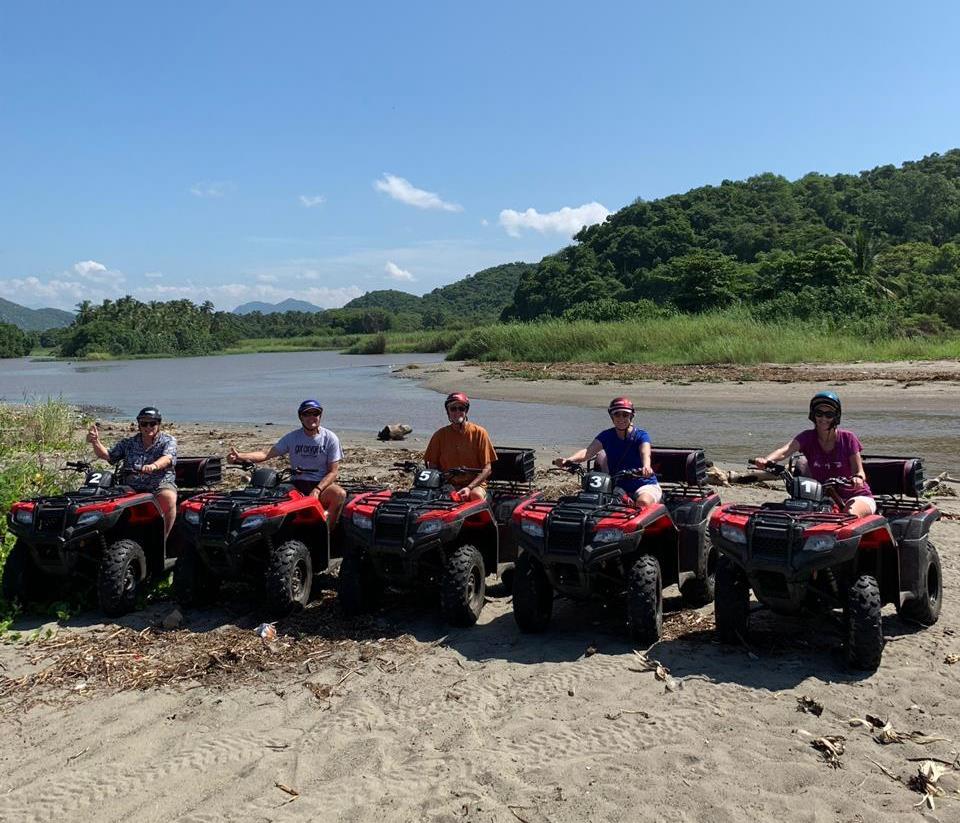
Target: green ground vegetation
x,y
35,439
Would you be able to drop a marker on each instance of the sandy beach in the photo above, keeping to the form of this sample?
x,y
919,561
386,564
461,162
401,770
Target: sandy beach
x,y
399,717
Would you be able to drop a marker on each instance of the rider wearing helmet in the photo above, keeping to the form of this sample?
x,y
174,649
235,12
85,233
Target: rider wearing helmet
x,y
462,443
625,447
830,452
315,454
148,457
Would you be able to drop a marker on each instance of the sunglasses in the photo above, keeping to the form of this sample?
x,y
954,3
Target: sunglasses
x,y
145,423
456,408
312,413
829,415
620,414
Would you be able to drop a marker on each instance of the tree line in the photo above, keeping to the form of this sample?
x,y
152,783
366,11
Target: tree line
x,y
881,248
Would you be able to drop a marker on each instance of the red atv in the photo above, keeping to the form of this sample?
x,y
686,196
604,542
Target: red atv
x,y
599,544
422,536
268,533
808,550
104,531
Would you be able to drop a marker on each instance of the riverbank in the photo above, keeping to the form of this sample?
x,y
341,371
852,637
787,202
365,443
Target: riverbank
x,y
398,716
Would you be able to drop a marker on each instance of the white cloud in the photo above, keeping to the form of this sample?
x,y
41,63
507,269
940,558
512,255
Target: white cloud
x,y
396,273
267,278
566,221
309,201
153,275
89,268
484,222
406,192
214,188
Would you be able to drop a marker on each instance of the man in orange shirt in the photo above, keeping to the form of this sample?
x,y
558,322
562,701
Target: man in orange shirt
x,y
462,444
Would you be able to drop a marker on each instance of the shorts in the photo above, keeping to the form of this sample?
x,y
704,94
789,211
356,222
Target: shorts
x,y
305,486
651,490
862,498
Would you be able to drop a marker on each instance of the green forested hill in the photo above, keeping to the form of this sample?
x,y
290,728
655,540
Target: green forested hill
x,y
882,241
33,319
477,298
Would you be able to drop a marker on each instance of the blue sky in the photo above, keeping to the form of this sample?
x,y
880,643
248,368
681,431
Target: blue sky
x,y
248,151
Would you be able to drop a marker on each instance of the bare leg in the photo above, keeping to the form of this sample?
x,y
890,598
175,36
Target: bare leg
x,y
478,493
167,500
333,497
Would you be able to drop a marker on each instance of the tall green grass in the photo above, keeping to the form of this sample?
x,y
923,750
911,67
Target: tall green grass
x,y
32,437
731,336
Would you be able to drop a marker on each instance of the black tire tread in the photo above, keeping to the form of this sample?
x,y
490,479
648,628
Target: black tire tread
x,y
115,599
282,561
732,603
699,591
532,595
457,569
21,578
924,609
645,600
864,624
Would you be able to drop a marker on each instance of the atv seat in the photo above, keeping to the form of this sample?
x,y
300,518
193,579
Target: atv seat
x,y
685,467
264,478
894,476
194,472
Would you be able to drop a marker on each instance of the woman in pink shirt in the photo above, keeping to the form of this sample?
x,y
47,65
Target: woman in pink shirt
x,y
830,452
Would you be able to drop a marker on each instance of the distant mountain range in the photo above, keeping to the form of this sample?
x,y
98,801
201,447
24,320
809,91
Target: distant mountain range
x,y
271,308
33,319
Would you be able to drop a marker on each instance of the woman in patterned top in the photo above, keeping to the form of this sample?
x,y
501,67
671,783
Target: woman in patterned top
x,y
149,457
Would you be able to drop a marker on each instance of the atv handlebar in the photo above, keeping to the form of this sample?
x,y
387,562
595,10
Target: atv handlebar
x,y
411,467
76,466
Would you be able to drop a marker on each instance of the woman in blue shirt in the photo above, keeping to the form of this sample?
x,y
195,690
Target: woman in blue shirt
x,y
625,447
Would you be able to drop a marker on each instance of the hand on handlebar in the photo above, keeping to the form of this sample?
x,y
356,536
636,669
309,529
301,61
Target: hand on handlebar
x,y
460,495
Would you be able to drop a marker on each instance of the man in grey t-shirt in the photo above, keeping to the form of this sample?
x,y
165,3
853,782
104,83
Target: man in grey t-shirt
x,y
315,452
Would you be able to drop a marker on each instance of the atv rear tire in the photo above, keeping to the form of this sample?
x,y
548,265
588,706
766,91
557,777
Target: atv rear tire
x,y
289,577
22,580
731,609
464,586
645,600
123,568
700,590
926,608
864,624
359,588
532,595
194,583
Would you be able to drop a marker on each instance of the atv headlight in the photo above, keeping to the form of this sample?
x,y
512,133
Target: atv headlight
x,y
363,521
734,534
429,526
608,536
24,516
532,527
819,543
192,516
89,518
253,522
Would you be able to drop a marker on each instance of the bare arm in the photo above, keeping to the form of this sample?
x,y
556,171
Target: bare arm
x,y
233,456
645,455
329,479
778,454
588,453
857,472
481,478
93,438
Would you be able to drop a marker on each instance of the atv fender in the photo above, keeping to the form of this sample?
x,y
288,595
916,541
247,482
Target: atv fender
x,y
878,556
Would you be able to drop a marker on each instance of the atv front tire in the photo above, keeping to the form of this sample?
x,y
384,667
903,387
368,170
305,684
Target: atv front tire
x,y
926,608
359,588
194,583
731,609
700,590
645,600
123,568
864,624
289,577
22,580
464,586
532,595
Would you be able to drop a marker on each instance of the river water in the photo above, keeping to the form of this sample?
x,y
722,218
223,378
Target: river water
x,y
360,397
